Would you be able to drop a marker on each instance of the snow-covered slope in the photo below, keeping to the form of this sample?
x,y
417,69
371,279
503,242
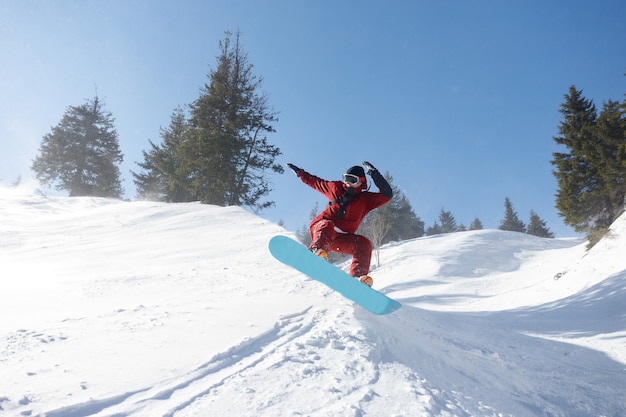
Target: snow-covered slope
x,y
114,308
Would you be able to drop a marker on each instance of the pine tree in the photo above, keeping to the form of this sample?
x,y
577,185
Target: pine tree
x,y
227,154
476,224
447,222
537,227
610,155
162,178
591,176
573,170
151,183
511,220
81,154
435,229
219,154
404,223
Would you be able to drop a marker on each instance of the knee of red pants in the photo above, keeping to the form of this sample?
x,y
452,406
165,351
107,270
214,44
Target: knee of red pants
x,y
361,250
322,234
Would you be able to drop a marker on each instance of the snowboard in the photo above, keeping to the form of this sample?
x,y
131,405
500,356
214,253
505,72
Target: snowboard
x,y
297,256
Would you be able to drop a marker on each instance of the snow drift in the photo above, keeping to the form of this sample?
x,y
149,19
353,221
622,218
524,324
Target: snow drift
x,y
114,308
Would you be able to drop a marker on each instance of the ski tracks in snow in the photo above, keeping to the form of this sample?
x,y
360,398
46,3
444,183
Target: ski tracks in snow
x,y
333,371
330,357
169,397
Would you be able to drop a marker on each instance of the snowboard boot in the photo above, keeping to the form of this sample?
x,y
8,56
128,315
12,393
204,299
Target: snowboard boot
x,y
367,280
320,252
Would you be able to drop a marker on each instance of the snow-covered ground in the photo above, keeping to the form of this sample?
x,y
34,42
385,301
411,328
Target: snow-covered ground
x,y
112,308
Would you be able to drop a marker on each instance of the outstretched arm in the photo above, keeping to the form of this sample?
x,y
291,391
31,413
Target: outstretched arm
x,y
313,181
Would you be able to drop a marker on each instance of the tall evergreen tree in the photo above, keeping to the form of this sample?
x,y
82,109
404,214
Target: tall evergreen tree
x,y
81,154
227,154
220,153
537,227
511,220
608,198
162,178
591,175
574,170
151,183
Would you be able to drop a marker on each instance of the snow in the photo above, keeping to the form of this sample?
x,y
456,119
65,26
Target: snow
x,y
113,308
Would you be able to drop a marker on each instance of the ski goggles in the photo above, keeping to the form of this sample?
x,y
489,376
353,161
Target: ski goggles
x,y
352,179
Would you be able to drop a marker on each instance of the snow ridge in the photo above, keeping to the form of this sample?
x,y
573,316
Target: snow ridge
x,y
115,308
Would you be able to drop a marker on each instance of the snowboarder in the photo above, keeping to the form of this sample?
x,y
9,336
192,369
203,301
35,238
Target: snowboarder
x,y
349,201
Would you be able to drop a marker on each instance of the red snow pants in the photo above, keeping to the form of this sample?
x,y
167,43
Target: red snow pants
x,y
325,236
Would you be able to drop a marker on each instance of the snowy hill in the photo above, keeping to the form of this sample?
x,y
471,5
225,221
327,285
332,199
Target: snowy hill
x,y
113,308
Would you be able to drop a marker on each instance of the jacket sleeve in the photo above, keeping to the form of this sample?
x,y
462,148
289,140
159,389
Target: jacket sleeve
x,y
316,183
381,183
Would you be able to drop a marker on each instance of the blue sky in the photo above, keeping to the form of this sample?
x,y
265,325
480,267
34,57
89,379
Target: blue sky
x,y
458,100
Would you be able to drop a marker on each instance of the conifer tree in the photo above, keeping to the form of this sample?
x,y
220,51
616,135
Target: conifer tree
x,y
435,229
608,198
537,227
447,222
511,220
404,223
151,183
393,222
227,154
81,154
591,175
220,153
476,224
573,170
162,178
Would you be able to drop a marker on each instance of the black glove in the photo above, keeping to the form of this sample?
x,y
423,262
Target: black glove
x,y
369,167
294,168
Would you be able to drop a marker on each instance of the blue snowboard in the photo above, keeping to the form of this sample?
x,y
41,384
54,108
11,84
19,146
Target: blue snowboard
x,y
292,253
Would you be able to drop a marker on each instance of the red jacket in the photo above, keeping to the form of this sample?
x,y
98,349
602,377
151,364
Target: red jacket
x,y
355,210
